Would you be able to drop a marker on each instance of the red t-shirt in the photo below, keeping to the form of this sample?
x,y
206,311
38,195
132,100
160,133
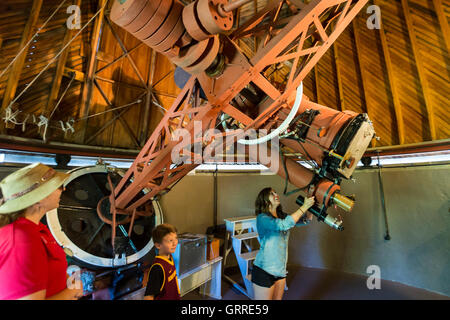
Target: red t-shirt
x,y
30,260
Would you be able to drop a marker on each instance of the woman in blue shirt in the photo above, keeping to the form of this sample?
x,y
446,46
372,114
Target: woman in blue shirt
x,y
269,267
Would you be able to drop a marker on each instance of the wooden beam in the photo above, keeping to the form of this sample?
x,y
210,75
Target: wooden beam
x,y
116,92
79,76
90,70
363,73
392,85
119,58
148,101
16,69
125,51
106,125
115,112
420,68
60,69
338,77
115,82
316,82
1,54
443,22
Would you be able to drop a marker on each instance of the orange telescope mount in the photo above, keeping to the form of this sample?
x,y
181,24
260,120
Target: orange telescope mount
x,y
231,90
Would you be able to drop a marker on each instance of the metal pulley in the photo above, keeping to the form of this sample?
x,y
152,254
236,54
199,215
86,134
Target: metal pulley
x,y
205,18
207,58
198,57
123,13
157,23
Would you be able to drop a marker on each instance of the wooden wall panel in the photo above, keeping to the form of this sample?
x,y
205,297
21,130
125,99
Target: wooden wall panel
x,y
379,97
405,73
353,95
328,85
436,62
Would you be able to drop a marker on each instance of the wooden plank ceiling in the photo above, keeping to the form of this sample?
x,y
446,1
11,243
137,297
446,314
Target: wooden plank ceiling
x,y
399,74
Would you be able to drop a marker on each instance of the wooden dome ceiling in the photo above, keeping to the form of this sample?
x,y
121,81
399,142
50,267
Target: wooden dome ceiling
x,y
112,89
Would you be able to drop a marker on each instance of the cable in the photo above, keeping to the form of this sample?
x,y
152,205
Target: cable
x,y
113,109
62,96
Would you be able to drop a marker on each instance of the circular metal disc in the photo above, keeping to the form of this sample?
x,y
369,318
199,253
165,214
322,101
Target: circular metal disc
x,y
146,14
123,14
213,22
192,23
172,52
171,38
185,39
190,55
155,22
206,61
166,28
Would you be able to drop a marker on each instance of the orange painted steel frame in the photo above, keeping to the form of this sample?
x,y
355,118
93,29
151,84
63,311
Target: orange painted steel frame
x,y
153,168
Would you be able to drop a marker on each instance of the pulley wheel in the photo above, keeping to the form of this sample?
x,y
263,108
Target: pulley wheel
x,y
172,37
185,39
207,58
192,23
172,52
124,13
146,14
155,22
210,19
190,55
166,28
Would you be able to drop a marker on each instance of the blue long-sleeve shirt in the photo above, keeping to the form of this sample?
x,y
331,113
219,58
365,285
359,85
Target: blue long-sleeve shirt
x,y
274,237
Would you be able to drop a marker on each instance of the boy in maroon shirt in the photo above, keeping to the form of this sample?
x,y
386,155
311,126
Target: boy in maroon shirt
x,y
162,281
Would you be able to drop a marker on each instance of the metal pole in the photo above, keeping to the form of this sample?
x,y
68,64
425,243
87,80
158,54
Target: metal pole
x,y
223,9
383,202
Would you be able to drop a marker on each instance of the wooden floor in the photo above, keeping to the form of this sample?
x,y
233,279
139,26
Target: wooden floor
x,y
318,284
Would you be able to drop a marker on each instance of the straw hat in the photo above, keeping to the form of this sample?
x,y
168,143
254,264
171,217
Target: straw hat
x,y
29,185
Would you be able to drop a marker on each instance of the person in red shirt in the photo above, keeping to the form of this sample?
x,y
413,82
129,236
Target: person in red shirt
x,y
162,280
32,265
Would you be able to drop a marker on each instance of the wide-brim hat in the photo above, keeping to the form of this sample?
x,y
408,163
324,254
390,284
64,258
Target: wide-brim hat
x,y
29,185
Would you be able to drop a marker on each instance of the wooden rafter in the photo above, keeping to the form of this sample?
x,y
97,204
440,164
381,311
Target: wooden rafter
x,y
443,22
362,70
90,70
148,101
115,112
117,96
125,51
16,69
338,77
60,68
392,85
420,68
119,58
316,82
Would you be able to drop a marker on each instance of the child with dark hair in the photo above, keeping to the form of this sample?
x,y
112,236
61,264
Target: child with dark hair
x,y
162,281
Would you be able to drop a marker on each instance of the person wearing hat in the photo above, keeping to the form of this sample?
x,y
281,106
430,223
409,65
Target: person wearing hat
x,y
32,265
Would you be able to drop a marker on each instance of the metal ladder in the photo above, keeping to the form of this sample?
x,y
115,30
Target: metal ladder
x,y
236,227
